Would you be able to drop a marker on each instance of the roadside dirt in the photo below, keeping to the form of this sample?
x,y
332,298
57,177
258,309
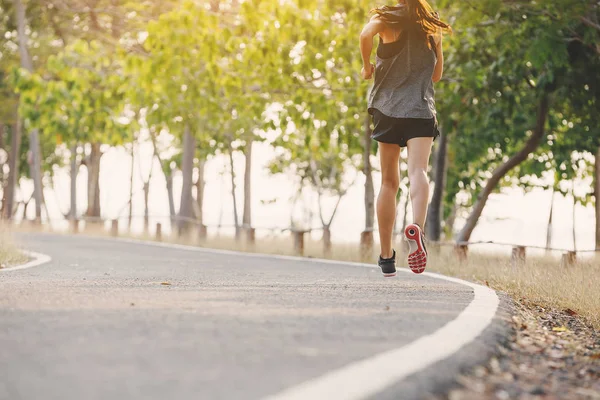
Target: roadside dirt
x,y
553,354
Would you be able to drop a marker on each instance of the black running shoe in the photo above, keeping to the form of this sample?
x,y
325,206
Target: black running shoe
x,y
388,265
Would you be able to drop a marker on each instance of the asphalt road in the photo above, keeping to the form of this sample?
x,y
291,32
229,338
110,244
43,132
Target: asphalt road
x,y
98,322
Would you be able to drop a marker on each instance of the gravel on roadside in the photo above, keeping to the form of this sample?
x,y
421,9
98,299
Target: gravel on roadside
x,y
553,354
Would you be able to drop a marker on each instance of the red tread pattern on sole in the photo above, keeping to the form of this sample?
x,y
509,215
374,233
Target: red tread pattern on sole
x,y
417,260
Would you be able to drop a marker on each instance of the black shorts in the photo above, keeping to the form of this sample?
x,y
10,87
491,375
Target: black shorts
x,y
401,130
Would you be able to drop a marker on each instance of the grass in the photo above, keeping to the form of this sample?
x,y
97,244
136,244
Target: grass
x,y
540,280
9,254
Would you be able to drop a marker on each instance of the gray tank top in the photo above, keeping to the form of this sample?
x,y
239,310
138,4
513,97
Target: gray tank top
x,y
403,87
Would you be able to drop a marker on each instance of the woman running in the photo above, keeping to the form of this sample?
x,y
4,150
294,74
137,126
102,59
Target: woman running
x,y
401,101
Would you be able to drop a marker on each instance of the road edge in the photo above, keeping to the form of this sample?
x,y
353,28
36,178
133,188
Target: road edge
x,y
37,260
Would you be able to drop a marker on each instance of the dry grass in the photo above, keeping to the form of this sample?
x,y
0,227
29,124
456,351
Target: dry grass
x,y
540,280
9,254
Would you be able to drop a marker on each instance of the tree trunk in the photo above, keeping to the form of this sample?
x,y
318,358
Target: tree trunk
x,y
34,143
3,178
235,210
147,197
433,225
405,219
247,217
25,207
449,223
433,169
93,167
574,208
146,207
2,175
131,167
171,198
186,211
200,183
597,195
22,35
549,228
74,171
36,172
13,174
366,237
530,146
327,240
368,171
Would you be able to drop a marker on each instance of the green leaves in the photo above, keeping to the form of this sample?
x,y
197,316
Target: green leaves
x,y
81,99
502,57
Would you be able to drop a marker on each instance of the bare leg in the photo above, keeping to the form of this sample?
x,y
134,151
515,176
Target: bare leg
x,y
419,150
389,155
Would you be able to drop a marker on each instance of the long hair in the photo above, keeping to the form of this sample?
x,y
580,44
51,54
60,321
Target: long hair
x,y
415,12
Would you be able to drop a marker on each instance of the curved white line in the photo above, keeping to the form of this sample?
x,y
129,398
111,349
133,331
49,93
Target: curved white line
x,y
370,376
367,377
38,259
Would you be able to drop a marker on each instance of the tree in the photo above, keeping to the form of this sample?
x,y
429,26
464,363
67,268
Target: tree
x,y
434,216
35,155
323,127
597,196
179,74
80,102
508,57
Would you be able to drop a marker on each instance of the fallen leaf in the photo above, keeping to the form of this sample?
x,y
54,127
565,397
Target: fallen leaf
x,y
570,312
487,284
559,329
165,283
595,356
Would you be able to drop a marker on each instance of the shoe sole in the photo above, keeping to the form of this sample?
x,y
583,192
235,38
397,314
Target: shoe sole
x,y
389,275
413,233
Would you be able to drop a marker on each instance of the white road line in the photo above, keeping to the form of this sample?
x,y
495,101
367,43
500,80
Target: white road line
x,y
38,259
370,376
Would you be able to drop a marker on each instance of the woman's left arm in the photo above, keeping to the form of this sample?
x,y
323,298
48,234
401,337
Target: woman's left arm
x,y
439,65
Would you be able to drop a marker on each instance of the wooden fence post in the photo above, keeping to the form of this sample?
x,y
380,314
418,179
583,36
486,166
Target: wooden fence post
x,y
568,259
298,241
74,225
159,232
250,235
518,255
366,244
461,251
202,232
114,228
